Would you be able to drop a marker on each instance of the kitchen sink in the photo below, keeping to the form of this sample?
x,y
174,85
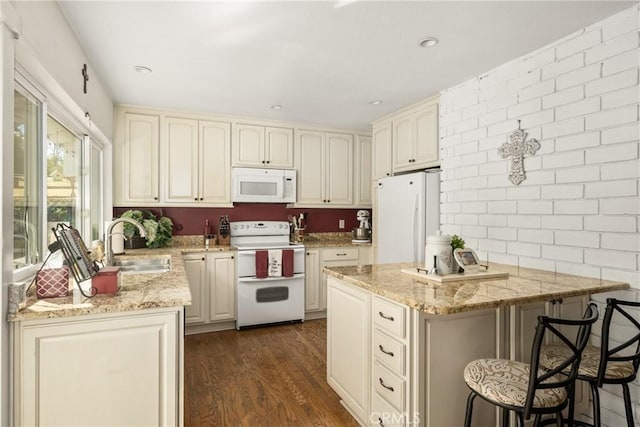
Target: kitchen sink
x,y
143,265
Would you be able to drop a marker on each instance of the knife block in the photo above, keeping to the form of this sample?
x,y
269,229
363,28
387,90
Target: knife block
x,y
224,240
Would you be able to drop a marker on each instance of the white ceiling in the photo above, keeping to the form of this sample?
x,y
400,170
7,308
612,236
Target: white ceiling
x,y
323,61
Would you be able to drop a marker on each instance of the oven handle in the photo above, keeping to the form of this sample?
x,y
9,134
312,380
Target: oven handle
x,y
254,252
270,278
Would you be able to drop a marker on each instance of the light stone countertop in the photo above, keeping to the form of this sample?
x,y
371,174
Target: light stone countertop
x,y
332,243
523,286
137,291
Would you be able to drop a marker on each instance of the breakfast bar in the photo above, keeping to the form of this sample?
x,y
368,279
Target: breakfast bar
x,y
397,344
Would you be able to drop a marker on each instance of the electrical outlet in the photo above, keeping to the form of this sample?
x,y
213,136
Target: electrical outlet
x,y
341,223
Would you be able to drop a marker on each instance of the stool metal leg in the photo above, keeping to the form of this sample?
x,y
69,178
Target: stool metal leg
x,y
467,417
596,404
627,404
505,417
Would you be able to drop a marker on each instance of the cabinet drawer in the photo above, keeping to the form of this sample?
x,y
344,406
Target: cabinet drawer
x,y
340,254
389,385
389,316
384,415
389,351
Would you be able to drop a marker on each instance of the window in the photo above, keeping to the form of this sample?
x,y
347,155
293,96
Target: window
x,y
57,178
27,179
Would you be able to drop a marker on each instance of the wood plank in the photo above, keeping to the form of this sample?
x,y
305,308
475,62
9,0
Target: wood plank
x,y
269,376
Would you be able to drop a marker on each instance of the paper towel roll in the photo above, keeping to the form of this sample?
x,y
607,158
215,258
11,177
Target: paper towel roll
x,y
117,237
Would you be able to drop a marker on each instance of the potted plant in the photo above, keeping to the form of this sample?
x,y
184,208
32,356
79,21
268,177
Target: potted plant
x,y
158,230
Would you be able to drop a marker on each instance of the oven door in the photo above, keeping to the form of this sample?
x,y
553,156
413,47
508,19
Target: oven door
x,y
270,300
247,262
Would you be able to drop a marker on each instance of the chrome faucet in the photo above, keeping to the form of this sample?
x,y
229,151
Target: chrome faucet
x,y
109,233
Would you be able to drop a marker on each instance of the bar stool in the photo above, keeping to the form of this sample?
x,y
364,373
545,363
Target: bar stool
x,y
607,364
525,388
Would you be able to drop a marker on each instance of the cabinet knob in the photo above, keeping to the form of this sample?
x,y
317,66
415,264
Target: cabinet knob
x,y
268,161
328,201
195,198
201,198
155,198
263,162
231,256
388,174
203,258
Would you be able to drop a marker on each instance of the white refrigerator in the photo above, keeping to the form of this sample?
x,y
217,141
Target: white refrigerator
x,y
408,211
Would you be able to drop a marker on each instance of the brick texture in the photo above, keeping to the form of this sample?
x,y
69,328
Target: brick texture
x,y
578,211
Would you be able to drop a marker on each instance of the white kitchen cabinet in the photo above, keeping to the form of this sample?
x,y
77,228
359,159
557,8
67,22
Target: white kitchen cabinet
x,y
381,157
197,157
363,182
262,146
136,159
312,278
116,369
348,346
195,269
415,139
221,278
325,168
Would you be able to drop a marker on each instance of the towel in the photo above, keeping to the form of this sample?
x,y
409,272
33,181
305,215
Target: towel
x,y
287,262
275,263
262,264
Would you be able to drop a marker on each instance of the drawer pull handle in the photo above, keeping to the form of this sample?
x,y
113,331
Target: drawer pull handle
x,y
388,353
384,385
380,422
381,314
341,254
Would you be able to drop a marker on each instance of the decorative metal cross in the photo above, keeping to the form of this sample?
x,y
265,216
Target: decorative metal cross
x,y
517,149
85,77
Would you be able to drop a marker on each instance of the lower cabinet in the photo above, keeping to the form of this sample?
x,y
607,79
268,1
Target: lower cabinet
x,y
212,279
119,369
348,346
316,281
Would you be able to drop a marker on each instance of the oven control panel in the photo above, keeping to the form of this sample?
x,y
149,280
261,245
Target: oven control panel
x,y
259,228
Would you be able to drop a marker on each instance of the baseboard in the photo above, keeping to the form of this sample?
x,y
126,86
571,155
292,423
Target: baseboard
x,y
210,327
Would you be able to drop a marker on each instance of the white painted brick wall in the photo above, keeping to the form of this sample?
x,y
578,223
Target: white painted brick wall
x,y
578,211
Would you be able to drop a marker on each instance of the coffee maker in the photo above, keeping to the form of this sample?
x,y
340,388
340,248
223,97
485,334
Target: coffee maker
x,y
362,234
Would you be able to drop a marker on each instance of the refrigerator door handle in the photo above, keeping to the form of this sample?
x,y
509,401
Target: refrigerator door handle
x,y
414,226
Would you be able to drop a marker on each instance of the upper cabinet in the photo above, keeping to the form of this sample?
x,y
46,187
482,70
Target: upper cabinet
x,y
325,168
168,158
406,141
197,162
381,166
262,146
136,159
363,171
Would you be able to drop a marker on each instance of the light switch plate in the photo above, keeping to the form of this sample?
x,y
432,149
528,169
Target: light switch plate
x,y
341,223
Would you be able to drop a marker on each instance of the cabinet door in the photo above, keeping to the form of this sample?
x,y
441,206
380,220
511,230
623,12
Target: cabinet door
x,y
116,370
310,150
363,171
339,169
215,160
403,137
195,267
221,276
181,160
381,150
312,281
279,147
426,141
248,146
335,257
139,159
348,346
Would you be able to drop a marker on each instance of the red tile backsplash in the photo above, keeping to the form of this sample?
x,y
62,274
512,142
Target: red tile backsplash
x,y
190,221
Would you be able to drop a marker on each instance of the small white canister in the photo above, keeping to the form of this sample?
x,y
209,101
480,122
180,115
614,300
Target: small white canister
x,y
440,247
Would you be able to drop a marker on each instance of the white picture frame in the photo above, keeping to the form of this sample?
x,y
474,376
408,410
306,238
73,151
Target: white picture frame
x,y
467,259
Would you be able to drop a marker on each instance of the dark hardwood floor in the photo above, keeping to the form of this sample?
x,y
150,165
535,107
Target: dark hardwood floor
x,y
271,376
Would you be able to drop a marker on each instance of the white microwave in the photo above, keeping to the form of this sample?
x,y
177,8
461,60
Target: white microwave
x,y
253,185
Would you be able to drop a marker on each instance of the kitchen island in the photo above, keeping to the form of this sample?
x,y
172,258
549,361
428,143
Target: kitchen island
x,y
109,360
397,345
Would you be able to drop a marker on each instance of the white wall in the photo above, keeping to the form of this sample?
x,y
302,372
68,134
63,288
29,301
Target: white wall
x,y
578,211
46,33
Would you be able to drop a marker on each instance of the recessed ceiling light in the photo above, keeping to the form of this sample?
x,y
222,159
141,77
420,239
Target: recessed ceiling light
x,y
375,102
276,107
428,42
142,69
